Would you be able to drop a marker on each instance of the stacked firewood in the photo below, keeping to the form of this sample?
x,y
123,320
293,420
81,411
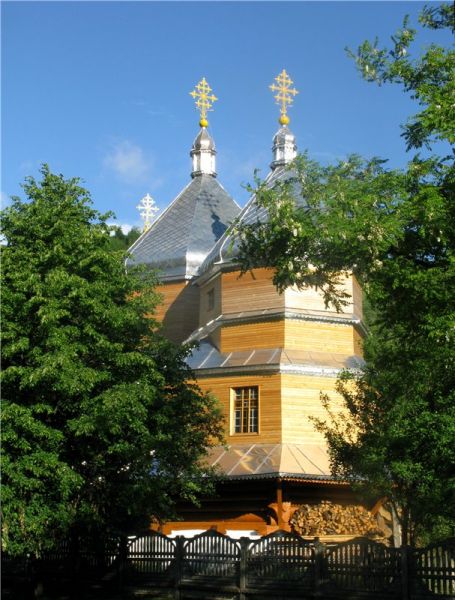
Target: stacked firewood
x,y
327,518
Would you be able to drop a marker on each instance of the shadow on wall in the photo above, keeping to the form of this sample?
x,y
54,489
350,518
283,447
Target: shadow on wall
x,y
182,316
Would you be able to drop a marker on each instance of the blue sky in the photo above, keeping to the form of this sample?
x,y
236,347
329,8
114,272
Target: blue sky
x,y
100,90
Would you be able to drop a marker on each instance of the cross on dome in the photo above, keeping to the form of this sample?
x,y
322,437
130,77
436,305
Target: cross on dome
x,y
147,209
204,100
285,95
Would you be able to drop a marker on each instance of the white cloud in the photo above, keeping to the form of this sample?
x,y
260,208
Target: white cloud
x,y
128,161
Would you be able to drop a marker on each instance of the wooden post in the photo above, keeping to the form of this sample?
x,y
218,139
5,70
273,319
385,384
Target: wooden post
x,y
405,575
319,550
122,562
244,542
178,567
279,503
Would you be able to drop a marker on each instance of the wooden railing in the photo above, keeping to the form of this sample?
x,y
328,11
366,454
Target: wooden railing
x,y
278,565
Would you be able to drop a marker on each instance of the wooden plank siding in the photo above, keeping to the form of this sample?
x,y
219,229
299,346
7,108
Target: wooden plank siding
x,y
206,312
179,309
311,299
358,343
249,292
286,403
300,400
357,297
249,336
319,336
269,405
255,291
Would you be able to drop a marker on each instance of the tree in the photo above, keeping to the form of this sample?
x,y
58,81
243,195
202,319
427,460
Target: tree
x,y
123,241
101,429
395,230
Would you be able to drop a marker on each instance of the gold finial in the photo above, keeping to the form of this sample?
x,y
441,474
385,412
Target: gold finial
x,y
147,209
284,96
204,100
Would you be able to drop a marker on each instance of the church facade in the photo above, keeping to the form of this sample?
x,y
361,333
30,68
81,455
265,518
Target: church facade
x,y
266,356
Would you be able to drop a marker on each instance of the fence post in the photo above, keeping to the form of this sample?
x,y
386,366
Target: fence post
x,y
405,575
319,550
122,561
179,553
244,542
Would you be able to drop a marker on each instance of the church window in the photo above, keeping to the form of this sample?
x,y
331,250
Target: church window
x,y
246,410
211,299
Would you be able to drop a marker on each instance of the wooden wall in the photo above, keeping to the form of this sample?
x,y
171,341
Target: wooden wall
x,y
248,336
310,299
250,292
357,295
269,405
286,403
179,310
207,314
319,336
358,343
300,400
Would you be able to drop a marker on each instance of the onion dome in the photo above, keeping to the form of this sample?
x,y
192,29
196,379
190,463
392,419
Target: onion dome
x,y
177,243
284,147
203,154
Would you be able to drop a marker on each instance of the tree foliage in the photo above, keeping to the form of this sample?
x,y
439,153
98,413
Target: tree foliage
x,y
101,429
123,241
429,78
395,230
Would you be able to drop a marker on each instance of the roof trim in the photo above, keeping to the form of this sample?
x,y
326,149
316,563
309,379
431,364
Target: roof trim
x,y
273,315
325,479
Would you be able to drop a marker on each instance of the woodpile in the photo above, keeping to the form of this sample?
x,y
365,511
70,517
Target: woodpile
x,y
327,518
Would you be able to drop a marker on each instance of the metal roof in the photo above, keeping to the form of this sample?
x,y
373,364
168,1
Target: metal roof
x,y
180,239
225,250
261,461
206,358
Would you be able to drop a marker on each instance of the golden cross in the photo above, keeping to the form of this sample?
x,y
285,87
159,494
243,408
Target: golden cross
x,y
147,209
285,94
204,100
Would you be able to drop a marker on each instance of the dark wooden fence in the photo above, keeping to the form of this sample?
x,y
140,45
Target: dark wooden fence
x,y
280,565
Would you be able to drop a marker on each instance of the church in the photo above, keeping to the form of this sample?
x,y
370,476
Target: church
x,y
266,356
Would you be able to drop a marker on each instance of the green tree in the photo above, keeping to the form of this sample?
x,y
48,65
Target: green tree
x,y
123,241
395,230
101,429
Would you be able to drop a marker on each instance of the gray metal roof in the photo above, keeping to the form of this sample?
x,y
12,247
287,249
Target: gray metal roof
x,y
206,359
180,239
225,250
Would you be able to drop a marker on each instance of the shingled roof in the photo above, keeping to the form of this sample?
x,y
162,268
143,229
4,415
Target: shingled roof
x,y
180,239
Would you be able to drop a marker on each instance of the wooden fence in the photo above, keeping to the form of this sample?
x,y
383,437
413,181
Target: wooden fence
x,y
280,565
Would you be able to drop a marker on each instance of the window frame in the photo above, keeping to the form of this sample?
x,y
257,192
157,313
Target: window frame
x,y
210,299
234,399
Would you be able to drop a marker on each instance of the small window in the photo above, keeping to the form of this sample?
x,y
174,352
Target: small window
x,y
211,299
246,409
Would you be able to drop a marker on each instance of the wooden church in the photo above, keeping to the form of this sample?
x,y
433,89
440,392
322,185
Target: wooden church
x,y
266,357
